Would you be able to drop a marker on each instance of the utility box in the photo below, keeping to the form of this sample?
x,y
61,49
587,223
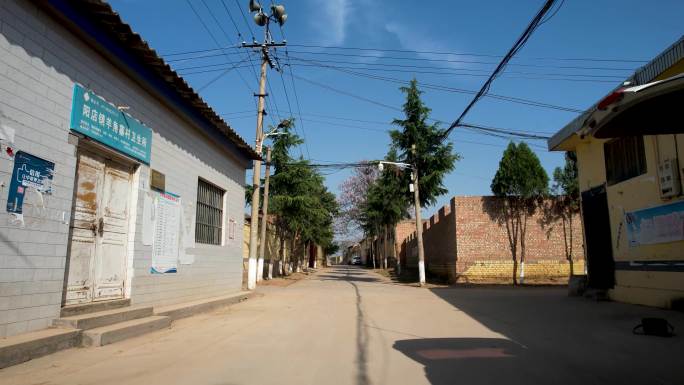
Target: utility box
x,y
668,174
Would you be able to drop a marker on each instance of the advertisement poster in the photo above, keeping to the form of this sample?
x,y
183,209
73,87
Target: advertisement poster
x,y
165,243
29,172
96,118
660,224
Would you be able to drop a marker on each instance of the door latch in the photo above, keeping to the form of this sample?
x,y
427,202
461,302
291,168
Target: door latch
x,y
100,227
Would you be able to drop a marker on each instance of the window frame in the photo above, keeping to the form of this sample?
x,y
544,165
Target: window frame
x,y
216,210
624,159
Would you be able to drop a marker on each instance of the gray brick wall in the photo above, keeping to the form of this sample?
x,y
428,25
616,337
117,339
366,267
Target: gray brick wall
x,y
39,63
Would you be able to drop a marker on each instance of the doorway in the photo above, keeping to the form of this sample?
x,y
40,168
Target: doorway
x,y
599,246
98,244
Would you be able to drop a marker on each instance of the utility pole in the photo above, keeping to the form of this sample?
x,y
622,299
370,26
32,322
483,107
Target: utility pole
x,y
264,222
419,221
419,228
278,15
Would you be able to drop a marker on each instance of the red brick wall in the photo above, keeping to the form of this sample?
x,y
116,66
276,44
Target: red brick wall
x,y
464,241
405,229
440,243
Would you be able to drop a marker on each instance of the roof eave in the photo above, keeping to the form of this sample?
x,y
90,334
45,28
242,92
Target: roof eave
x,y
142,64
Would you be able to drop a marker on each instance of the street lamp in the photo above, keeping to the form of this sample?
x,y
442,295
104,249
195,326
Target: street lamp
x,y
413,187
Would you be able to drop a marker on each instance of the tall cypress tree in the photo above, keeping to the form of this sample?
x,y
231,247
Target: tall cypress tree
x,y
433,157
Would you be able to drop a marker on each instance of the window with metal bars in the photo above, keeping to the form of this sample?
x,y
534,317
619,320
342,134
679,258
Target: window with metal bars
x,y
625,158
209,223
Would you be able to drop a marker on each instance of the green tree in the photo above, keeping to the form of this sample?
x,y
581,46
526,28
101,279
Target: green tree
x,y
422,145
303,206
521,183
564,204
385,205
433,157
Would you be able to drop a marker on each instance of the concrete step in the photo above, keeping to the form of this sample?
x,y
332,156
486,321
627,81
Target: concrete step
x,y
114,333
93,307
188,309
103,318
17,349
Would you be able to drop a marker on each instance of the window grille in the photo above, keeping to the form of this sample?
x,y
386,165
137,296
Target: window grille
x,y
209,223
625,159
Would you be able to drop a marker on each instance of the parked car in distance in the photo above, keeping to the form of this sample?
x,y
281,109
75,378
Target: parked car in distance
x,y
356,260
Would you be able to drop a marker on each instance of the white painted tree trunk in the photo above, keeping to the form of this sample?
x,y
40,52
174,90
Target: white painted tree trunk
x,y
522,272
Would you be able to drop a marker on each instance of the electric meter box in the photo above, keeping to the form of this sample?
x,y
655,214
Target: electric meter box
x,y
668,174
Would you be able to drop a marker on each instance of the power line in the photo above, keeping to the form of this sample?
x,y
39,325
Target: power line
x,y
462,91
436,71
244,18
212,81
516,47
211,35
183,53
433,60
449,70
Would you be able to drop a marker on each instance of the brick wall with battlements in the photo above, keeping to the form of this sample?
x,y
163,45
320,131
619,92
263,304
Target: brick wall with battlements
x,y
465,242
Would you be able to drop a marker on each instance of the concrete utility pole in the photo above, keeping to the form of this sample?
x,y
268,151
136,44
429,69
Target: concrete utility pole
x,y
264,222
256,184
278,15
419,228
419,221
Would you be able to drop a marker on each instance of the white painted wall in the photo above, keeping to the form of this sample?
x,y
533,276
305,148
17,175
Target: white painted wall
x,y
39,63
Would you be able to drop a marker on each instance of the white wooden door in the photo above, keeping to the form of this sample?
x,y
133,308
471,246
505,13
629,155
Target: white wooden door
x,y
110,255
97,253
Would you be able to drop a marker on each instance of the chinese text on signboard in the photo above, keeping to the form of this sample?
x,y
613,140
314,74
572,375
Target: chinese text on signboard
x,y
94,117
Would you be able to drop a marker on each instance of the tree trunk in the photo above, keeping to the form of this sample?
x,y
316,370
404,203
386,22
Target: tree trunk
x,y
397,259
523,232
372,252
512,225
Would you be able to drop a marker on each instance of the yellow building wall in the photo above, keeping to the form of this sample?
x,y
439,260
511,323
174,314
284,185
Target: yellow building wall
x,y
642,287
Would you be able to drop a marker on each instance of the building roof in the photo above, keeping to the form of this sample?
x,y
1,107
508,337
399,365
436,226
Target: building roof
x,y
646,74
96,21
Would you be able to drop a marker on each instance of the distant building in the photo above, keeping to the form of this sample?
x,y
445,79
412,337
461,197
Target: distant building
x,y
628,149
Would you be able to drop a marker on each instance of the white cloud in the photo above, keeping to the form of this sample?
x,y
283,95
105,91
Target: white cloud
x,y
331,20
415,40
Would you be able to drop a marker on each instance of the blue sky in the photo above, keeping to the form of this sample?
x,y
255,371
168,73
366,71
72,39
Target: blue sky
x,y
340,128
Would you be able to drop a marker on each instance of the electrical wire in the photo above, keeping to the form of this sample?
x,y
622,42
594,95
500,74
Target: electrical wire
x,y
191,52
516,47
211,35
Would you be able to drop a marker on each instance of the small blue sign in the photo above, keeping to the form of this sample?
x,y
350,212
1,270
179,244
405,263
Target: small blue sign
x,y
98,119
29,172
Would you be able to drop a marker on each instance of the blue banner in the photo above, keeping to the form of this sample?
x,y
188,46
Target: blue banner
x,y
659,224
98,119
29,172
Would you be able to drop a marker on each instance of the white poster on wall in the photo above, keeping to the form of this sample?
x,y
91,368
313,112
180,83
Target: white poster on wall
x,y
167,224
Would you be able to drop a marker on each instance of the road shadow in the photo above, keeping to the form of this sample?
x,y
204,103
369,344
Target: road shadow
x,y
568,339
469,361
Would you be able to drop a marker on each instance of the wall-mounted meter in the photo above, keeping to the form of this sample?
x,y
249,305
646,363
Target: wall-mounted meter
x,y
668,173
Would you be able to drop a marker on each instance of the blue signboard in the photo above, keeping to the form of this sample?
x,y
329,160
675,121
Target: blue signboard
x,y
95,118
659,224
29,172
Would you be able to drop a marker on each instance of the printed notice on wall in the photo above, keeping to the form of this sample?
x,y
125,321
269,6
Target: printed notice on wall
x,y
659,224
165,243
